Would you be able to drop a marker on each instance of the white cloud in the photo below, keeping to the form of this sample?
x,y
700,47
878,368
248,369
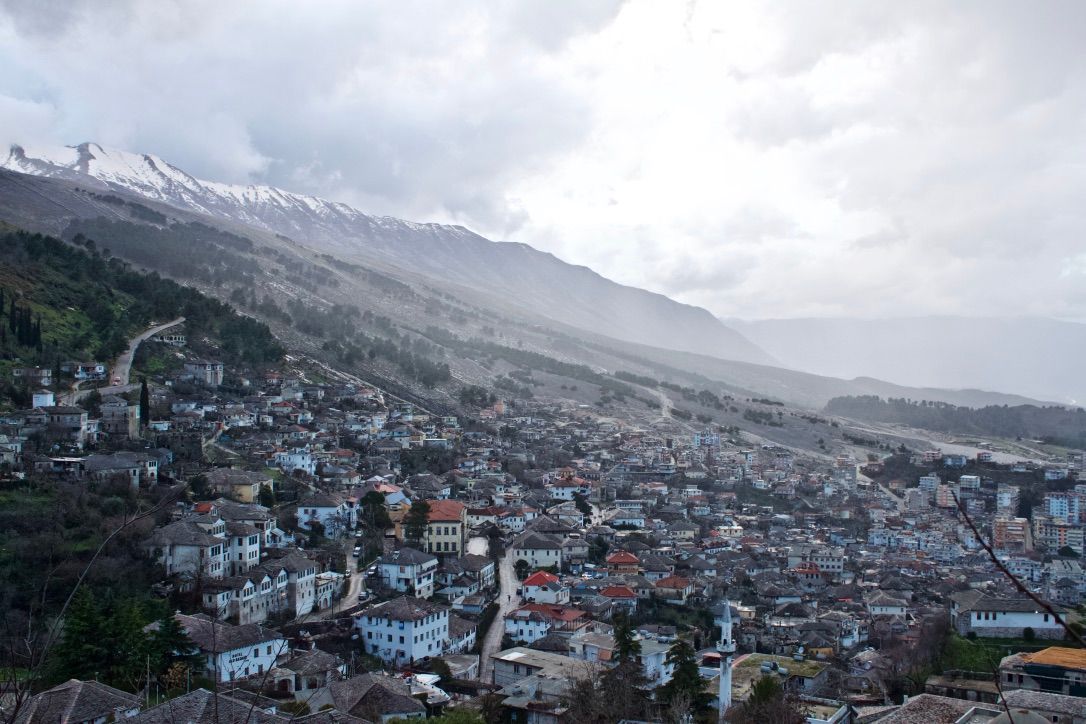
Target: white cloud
x,y
757,159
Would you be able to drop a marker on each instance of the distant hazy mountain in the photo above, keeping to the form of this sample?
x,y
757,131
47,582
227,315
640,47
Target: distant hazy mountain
x,y
526,277
1039,358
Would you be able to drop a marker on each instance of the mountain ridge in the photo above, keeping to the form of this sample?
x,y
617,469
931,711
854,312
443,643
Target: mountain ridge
x,y
534,279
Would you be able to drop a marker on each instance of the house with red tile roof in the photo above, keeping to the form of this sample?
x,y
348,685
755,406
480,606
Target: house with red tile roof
x,y
623,562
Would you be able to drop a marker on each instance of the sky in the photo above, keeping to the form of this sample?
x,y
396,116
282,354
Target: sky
x,y
762,160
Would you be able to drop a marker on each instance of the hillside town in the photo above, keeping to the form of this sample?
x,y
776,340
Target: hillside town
x,y
334,549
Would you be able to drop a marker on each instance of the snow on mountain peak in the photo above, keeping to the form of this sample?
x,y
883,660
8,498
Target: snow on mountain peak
x,y
155,178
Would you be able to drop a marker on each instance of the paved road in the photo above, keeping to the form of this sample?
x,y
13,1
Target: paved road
x,y
507,601
123,366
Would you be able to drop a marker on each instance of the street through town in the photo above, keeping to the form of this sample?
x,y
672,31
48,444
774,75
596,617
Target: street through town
x,y
507,601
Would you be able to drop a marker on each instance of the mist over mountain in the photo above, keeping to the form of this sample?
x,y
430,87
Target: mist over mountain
x,y
528,278
1035,357
417,275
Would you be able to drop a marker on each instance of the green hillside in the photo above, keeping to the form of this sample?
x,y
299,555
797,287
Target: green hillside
x,y
63,302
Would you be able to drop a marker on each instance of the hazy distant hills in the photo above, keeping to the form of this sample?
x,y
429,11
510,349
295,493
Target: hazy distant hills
x,y
1038,358
534,280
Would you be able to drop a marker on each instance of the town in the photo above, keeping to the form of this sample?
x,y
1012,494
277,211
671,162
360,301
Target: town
x,y
325,549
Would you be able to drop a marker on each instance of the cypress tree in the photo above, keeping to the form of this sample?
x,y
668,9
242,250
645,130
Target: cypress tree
x,y
145,403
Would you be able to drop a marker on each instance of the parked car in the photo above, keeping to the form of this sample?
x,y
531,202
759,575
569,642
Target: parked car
x,y
357,551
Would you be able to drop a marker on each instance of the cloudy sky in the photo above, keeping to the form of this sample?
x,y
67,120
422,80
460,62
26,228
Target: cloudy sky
x,y
762,160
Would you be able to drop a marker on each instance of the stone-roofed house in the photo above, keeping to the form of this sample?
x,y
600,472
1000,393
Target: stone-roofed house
x,y
408,571
404,630
1002,616
538,549
194,547
376,698
233,652
78,702
203,707
330,510
301,579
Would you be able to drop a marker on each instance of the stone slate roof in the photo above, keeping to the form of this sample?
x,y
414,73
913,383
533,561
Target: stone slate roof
x,y
76,701
218,637
537,541
184,533
200,707
406,557
404,608
313,662
374,694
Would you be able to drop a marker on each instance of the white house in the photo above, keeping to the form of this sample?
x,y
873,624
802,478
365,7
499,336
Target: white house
x,y
234,652
404,630
999,617
290,460
527,626
544,587
539,549
408,571
328,509
883,604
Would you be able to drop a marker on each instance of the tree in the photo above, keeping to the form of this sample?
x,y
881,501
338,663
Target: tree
x,y
266,496
145,403
597,550
627,647
169,646
522,567
415,522
582,505
767,702
81,652
686,684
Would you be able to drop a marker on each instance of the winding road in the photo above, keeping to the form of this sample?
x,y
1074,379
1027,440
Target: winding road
x,y
122,367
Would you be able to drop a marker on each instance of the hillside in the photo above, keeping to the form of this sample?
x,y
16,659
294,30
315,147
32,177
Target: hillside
x,y
532,280
1055,425
420,338
81,305
1032,357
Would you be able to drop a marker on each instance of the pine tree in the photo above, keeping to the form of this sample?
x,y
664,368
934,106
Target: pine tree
x,y
170,645
627,648
127,657
81,652
686,683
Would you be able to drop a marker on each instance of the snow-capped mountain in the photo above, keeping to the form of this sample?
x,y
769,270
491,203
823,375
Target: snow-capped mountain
x,y
524,276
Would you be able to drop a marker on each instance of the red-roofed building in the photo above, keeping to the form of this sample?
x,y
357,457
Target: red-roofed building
x,y
533,621
623,562
544,587
621,597
446,527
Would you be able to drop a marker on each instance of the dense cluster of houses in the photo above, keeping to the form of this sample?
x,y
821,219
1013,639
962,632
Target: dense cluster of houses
x,y
521,569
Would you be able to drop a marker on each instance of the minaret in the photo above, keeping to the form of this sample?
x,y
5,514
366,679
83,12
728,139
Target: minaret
x,y
726,648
